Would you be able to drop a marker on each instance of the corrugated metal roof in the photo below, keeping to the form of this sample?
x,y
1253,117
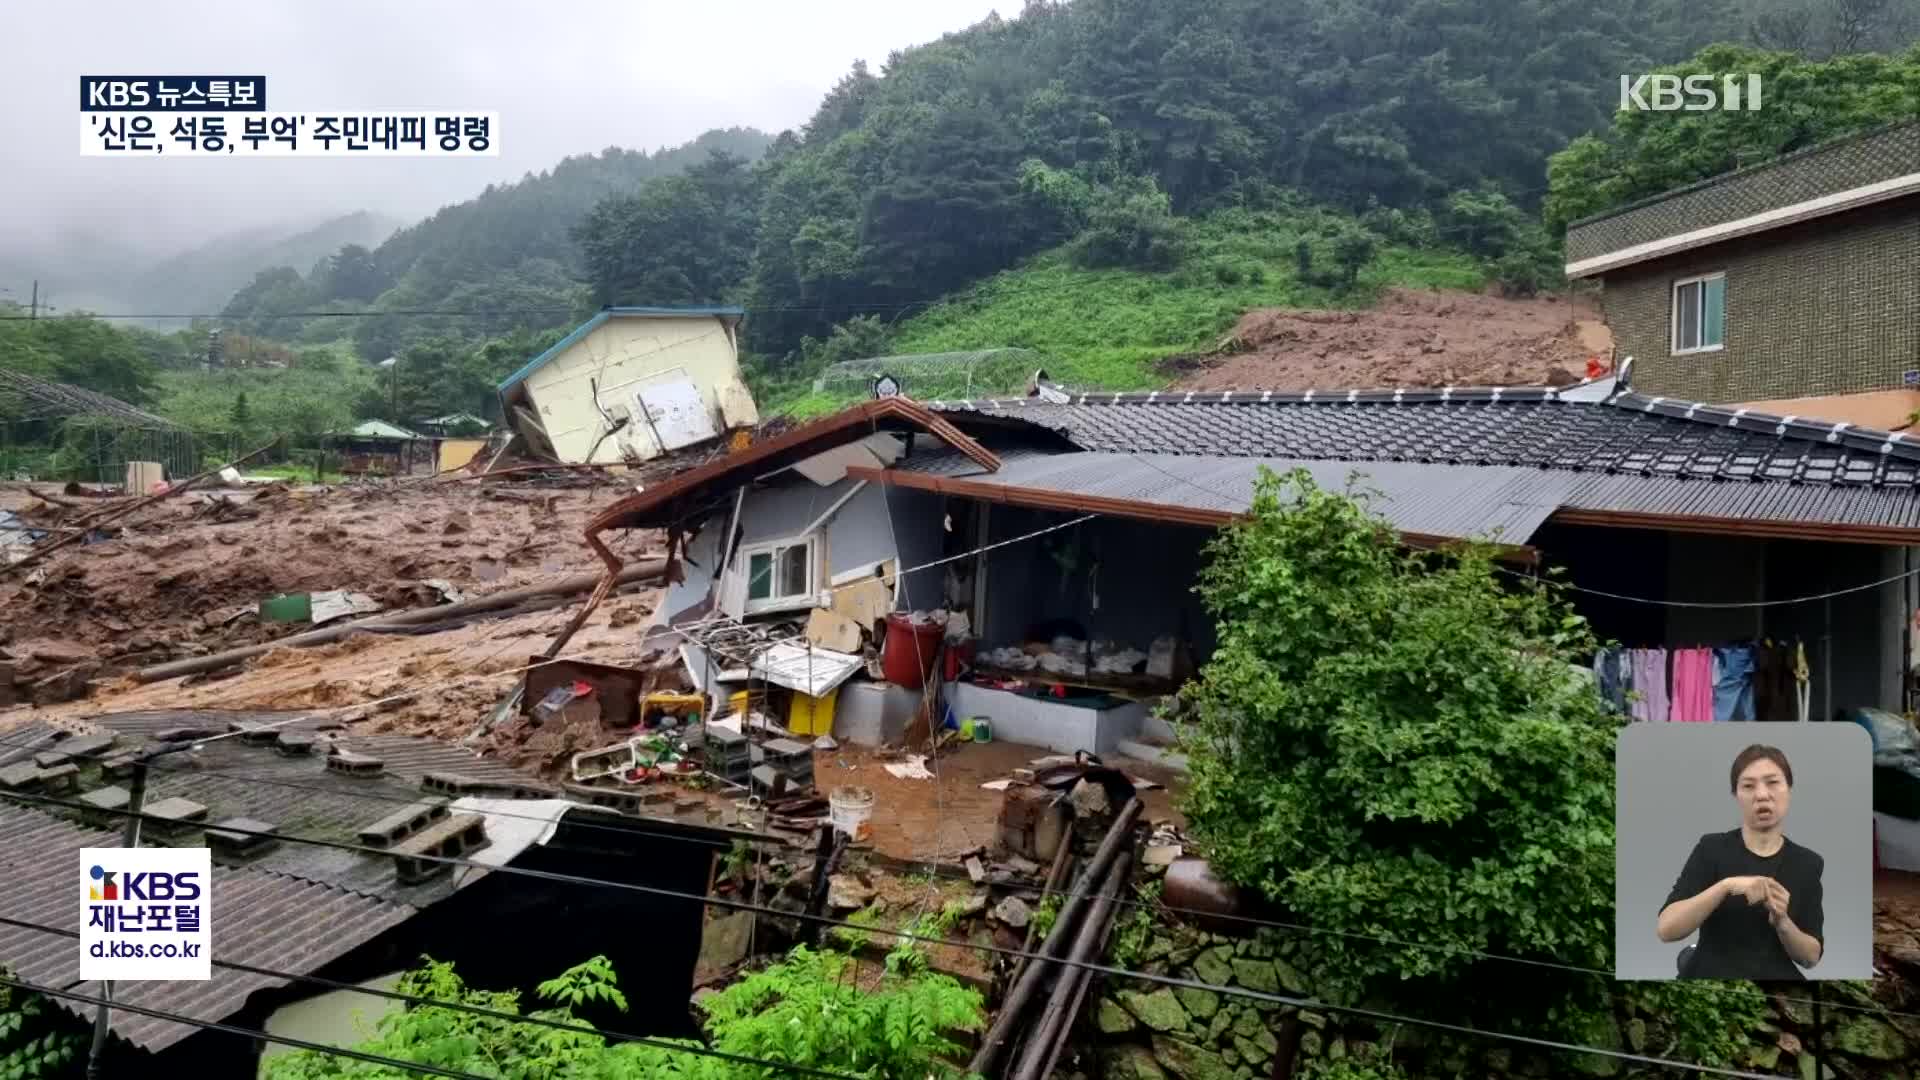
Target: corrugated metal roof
x,y
1629,455
1500,503
268,919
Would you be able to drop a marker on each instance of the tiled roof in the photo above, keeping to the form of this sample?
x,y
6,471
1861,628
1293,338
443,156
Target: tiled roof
x,y
1871,157
1630,435
294,907
271,920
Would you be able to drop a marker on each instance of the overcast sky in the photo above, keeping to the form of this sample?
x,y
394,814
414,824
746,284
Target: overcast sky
x,y
566,77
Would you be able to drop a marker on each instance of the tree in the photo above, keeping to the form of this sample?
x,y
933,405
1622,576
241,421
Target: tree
x,y
239,416
1353,249
1398,744
1806,102
678,240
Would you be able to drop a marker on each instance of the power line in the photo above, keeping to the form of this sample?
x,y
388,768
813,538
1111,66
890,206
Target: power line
x,y
247,1033
1123,973
477,1010
958,877
1147,460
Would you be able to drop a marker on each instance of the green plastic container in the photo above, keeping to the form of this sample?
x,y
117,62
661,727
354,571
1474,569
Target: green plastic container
x,y
294,607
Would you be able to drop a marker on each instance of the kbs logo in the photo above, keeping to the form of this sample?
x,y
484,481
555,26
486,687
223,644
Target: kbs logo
x,y
1694,93
145,913
151,886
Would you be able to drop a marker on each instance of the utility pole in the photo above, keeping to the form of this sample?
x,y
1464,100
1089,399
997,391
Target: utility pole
x,y
129,838
33,309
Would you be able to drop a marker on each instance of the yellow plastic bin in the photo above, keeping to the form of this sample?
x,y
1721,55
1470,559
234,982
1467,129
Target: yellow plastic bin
x,y
811,715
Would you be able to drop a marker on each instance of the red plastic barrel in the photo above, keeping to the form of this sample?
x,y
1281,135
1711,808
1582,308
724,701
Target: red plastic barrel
x,y
910,651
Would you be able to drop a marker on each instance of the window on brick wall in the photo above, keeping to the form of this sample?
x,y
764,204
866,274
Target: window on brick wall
x,y
1699,313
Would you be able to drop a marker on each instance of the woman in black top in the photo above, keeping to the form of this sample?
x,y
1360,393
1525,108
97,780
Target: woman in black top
x,y
1753,894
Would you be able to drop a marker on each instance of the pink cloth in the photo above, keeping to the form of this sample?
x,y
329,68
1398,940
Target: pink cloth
x,y
1650,684
1693,686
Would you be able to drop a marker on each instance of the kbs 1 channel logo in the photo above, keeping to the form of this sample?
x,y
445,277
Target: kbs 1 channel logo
x,y
145,913
225,115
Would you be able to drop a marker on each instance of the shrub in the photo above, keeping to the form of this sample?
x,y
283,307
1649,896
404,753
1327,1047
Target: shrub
x,y
1398,745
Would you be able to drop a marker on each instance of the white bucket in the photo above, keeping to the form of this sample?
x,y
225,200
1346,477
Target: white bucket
x,y
851,810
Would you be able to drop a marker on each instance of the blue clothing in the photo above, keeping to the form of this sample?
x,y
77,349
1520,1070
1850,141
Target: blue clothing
x,y
1733,682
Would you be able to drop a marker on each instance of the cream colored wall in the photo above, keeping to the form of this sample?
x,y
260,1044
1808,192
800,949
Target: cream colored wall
x,y
626,353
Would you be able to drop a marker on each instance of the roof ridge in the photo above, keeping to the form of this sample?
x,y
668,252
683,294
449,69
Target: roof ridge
x,y
1896,443
1893,443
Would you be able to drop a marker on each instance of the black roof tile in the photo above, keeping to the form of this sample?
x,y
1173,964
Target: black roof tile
x,y
1528,427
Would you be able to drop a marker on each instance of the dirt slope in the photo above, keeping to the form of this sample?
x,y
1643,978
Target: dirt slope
x,y
1409,339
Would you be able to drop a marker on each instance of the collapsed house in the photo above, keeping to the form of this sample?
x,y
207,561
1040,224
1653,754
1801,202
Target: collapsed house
x,y
1037,556
352,916
632,384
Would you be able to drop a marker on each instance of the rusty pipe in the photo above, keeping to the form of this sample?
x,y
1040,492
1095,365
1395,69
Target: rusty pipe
x,y
1022,992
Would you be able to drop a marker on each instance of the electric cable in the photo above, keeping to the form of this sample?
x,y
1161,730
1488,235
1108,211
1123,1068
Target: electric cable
x,y
476,1010
1307,1004
245,1033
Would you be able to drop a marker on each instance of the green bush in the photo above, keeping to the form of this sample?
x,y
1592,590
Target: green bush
x,y
805,1010
1398,744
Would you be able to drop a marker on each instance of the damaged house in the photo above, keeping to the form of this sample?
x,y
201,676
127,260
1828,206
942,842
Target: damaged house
x,y
357,905
1037,555
632,384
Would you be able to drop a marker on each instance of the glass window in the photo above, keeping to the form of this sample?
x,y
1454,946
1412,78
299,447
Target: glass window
x,y
760,575
778,574
1699,313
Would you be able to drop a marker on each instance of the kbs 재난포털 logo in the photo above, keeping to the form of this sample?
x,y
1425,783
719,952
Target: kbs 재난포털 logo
x,y
144,913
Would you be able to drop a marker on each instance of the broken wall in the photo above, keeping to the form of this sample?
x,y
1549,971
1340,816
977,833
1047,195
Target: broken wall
x,y
1143,584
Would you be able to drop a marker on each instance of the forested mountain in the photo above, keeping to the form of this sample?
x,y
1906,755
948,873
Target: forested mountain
x,y
1107,122
507,250
1169,158
201,281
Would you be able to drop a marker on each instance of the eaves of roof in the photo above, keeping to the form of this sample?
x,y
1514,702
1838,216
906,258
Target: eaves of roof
x,y
601,318
661,505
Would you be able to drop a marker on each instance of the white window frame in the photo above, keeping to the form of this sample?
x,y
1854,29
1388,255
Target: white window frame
x,y
743,560
1673,313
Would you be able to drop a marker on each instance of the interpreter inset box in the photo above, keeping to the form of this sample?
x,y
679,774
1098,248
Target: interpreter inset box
x,y
1744,851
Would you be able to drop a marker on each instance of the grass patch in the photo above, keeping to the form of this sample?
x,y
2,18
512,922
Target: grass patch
x,y
1109,329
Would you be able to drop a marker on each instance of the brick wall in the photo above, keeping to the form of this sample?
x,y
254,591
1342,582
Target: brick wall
x,y
1855,161
1828,307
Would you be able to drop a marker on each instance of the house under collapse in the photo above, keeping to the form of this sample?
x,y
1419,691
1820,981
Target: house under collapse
x,y
632,384
1069,536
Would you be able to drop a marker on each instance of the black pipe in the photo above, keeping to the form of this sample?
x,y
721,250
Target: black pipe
x,y
1043,1048
997,1037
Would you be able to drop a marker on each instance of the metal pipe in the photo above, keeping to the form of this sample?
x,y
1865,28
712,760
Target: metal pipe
x,y
566,586
1001,1033
129,838
1043,1046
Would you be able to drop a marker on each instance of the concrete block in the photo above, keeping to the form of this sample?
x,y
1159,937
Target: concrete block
x,y
108,798
227,837
60,779
452,837
118,766
260,736
48,759
20,776
626,802
352,764
450,784
88,746
177,810
403,823
295,743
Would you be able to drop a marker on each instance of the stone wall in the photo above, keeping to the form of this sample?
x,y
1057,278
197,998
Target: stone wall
x,y
1143,1031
